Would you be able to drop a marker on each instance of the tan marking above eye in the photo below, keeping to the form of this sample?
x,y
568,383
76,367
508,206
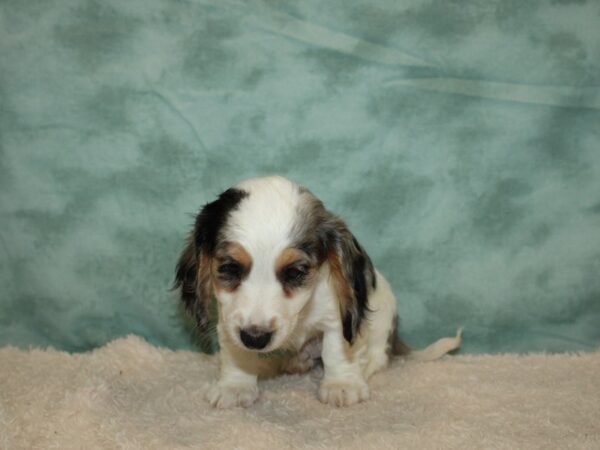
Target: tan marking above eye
x,y
294,258
288,257
233,250
230,252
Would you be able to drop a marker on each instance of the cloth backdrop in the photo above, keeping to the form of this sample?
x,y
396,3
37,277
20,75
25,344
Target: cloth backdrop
x,y
458,139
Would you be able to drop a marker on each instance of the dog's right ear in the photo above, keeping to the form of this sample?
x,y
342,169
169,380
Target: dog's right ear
x,y
193,283
192,274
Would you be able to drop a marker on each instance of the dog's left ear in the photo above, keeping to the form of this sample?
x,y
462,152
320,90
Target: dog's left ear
x,y
352,273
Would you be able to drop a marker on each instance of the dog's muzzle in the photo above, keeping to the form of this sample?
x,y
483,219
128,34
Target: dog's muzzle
x,y
255,338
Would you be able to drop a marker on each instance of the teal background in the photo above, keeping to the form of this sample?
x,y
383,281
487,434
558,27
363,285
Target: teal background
x,y
459,140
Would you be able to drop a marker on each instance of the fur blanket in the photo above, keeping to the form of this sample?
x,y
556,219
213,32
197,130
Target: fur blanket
x,y
132,395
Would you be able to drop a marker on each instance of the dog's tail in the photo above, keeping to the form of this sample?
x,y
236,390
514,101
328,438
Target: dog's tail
x,y
429,353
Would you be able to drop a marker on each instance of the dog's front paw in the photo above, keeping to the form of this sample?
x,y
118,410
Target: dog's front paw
x,y
343,392
227,395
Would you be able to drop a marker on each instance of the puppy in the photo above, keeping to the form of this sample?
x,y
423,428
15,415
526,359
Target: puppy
x,y
293,287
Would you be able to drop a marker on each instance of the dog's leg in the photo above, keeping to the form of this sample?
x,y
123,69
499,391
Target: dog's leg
x,y
237,385
343,383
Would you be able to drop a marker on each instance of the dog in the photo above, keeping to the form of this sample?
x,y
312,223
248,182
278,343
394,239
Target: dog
x,y
293,288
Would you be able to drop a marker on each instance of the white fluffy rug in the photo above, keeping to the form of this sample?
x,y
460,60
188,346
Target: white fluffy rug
x,y
132,395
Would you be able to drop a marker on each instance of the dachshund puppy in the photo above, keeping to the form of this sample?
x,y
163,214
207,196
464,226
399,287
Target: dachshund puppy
x,y
293,286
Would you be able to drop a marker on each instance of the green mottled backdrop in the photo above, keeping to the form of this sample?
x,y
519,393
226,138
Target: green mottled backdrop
x,y
459,139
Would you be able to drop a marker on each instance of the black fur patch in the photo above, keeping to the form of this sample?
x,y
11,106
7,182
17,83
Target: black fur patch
x,y
358,268
212,218
201,244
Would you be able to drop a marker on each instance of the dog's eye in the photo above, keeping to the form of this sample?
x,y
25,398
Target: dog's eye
x,y
230,270
293,274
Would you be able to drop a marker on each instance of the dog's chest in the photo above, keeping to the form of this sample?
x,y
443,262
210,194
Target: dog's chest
x,y
321,314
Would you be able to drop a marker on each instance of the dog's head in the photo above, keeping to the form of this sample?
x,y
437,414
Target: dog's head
x,y
259,249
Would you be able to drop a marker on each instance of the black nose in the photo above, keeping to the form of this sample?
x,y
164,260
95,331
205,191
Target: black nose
x,y
254,337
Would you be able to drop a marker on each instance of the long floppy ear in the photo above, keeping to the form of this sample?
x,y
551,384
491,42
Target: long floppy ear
x,y
352,273
192,278
192,274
